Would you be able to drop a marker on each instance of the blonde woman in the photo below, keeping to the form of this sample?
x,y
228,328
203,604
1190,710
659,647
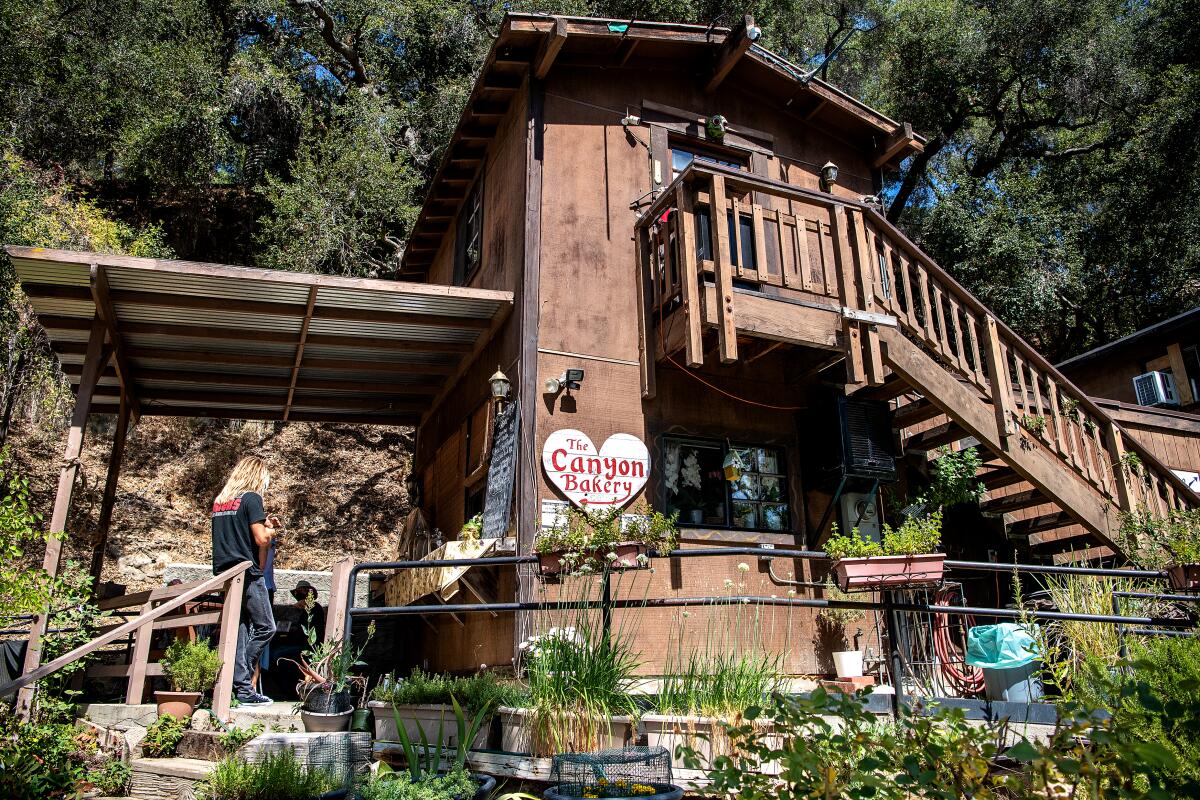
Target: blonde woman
x,y
241,530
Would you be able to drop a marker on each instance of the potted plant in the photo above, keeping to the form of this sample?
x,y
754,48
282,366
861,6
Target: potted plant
x,y
905,558
327,683
594,541
421,703
426,773
846,663
191,669
1171,543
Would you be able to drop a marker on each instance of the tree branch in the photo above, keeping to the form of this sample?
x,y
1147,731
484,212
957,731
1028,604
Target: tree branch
x,y
348,52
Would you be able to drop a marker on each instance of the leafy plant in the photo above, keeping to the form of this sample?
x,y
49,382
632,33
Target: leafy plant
x,y
477,691
916,535
472,529
162,738
852,545
191,666
326,669
38,760
840,617
1069,407
386,784
233,738
587,537
275,776
425,761
955,479
1155,542
1034,423
112,778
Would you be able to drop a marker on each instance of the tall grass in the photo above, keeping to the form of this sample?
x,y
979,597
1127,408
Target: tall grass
x,y
578,675
276,776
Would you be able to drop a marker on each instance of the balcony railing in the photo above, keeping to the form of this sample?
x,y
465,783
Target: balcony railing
x,y
799,245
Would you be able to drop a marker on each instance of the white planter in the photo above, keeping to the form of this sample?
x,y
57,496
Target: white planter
x,y
427,718
705,735
516,731
848,663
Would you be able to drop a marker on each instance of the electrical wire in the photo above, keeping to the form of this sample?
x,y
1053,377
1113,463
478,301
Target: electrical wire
x,y
966,679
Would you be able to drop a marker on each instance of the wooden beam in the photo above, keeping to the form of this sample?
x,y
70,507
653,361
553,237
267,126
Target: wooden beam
x,y
865,271
736,44
255,400
847,294
62,499
647,348
901,140
1179,371
726,325
104,306
998,379
339,598
308,315
481,342
231,611
685,227
550,49
115,457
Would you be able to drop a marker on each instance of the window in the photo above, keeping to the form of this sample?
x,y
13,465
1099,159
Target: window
x,y
681,156
468,250
696,486
684,154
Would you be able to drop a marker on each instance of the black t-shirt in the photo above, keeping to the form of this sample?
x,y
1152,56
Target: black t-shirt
x,y
232,540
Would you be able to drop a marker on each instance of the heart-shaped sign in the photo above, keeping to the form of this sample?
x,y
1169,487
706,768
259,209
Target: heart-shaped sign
x,y
610,476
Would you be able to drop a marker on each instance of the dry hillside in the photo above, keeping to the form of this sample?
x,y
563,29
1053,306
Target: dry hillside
x,y
338,488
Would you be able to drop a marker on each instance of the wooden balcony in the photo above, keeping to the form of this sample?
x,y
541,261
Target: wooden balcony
x,y
811,269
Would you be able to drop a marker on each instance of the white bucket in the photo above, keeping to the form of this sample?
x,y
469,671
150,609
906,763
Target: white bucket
x,y
848,663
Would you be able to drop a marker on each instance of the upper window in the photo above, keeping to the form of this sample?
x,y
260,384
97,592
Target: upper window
x,y
684,154
714,484
468,252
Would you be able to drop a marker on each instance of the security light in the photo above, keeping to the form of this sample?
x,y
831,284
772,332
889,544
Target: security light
x,y
570,379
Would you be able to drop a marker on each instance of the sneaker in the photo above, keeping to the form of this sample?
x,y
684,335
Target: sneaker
x,y
253,699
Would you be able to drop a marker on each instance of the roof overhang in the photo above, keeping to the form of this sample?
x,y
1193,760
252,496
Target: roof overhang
x,y
196,339
530,44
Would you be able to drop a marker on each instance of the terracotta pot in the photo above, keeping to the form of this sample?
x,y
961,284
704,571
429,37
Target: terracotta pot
x,y
627,558
179,705
883,572
1184,577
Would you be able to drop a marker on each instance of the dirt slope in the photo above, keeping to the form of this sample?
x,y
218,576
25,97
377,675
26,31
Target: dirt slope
x,y
338,488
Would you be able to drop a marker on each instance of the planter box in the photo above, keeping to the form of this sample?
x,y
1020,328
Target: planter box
x,y
884,572
1184,577
423,717
702,734
516,732
627,558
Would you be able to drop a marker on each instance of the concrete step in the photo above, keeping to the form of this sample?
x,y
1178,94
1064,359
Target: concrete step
x,y
122,716
167,778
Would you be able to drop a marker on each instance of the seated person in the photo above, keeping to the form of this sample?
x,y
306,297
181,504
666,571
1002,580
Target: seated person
x,y
290,640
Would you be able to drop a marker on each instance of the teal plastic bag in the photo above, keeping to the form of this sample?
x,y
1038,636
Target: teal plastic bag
x,y
1002,646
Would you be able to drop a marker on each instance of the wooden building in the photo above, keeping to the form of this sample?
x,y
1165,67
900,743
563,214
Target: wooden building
x,y
581,178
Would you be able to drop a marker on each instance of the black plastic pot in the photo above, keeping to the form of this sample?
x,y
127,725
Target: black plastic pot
x,y
323,700
487,784
336,794
664,792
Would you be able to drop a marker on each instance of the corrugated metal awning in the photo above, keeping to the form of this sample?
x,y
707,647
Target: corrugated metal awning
x,y
195,339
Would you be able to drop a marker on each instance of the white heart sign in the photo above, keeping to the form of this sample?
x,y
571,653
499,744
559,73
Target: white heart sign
x,y
610,476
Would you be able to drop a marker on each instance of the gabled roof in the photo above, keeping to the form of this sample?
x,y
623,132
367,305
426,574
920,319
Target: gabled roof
x,y
530,44
1188,320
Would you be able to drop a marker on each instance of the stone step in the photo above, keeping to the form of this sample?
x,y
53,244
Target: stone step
x,y
122,716
167,778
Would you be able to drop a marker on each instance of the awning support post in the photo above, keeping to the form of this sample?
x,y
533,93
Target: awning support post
x,y
115,459
92,366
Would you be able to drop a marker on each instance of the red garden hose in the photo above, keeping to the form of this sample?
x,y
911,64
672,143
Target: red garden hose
x,y
965,679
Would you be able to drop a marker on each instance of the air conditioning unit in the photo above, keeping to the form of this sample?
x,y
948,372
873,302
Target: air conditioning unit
x,y
1156,389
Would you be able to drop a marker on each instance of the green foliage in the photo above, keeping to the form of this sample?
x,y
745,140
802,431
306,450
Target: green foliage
x,y
1035,424
386,784
22,590
1154,541
276,776
163,736
423,761
717,684
112,778
191,666
840,617
485,690
916,535
472,529
955,479
329,665
39,760
587,537
233,738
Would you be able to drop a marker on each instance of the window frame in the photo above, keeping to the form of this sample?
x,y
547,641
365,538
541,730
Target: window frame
x,y
468,229
782,475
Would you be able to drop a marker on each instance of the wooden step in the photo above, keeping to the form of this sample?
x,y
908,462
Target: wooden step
x,y
892,388
915,413
1006,504
1000,478
1038,524
935,437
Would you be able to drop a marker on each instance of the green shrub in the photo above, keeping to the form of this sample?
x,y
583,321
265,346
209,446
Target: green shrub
x,y
191,666
850,545
456,784
233,738
38,761
163,737
915,536
1154,542
484,690
955,479
277,776
112,778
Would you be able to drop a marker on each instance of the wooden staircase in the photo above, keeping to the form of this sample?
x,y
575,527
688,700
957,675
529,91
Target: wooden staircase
x,y
1057,466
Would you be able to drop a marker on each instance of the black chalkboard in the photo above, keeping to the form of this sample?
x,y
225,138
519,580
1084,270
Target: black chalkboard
x,y
497,502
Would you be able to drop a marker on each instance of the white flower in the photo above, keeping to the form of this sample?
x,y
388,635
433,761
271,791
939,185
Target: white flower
x,y
691,470
743,567
791,592
610,555
687,614
745,601
643,559
728,583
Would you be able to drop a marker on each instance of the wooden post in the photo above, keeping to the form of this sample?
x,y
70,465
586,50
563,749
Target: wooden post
x,y
855,373
866,283
1116,452
726,329
647,352
134,692
339,597
998,378
690,275
92,366
231,617
115,457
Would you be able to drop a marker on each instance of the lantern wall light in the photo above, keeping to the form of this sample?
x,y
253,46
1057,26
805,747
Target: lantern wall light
x,y
501,385
829,176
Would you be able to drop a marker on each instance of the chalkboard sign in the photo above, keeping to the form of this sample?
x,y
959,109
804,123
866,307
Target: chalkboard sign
x,y
497,503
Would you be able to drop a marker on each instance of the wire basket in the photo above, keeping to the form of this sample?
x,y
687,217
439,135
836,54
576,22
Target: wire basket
x,y
624,772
